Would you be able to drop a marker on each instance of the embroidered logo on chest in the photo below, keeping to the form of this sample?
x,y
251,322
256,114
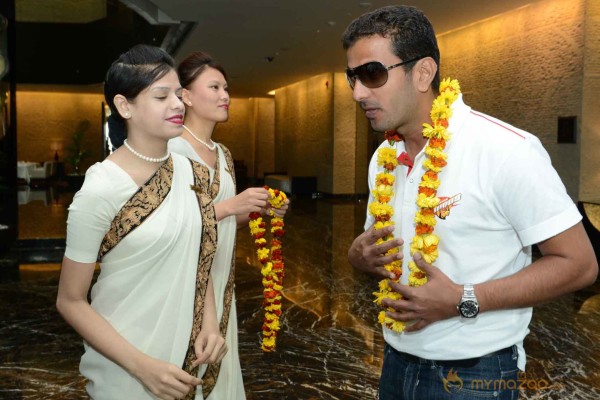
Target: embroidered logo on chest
x,y
446,203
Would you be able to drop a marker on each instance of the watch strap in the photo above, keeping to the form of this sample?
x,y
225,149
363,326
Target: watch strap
x,y
468,292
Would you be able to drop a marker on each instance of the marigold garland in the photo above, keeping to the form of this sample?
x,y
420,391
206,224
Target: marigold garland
x,y
424,241
271,267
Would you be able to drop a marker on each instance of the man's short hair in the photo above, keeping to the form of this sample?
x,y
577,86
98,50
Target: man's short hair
x,y
410,31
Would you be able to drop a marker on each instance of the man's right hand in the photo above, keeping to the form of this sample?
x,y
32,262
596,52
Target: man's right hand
x,y
366,255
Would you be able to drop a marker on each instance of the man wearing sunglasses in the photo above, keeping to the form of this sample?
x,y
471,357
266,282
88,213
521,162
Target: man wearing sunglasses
x,y
466,325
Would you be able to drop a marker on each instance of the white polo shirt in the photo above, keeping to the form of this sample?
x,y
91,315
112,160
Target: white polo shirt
x,y
500,194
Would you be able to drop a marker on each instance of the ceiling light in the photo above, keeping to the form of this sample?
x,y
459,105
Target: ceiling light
x,y
271,93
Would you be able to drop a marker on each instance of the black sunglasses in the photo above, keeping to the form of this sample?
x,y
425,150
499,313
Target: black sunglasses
x,y
372,74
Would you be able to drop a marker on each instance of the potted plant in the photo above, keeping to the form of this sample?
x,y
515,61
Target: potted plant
x,y
76,152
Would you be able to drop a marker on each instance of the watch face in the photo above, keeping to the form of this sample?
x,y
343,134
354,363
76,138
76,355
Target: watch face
x,y
469,309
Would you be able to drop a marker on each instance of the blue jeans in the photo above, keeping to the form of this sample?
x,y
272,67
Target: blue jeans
x,y
406,377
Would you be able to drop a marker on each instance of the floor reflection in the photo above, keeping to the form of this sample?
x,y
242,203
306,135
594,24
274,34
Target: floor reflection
x,y
329,347
43,212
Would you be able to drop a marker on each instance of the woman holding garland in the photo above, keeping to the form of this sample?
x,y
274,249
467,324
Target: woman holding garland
x,y
152,319
206,98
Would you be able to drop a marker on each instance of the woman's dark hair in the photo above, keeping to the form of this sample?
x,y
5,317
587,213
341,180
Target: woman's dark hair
x,y
130,74
409,29
193,65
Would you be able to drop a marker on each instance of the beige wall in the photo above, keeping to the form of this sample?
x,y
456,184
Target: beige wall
x,y
351,153
235,134
264,128
304,130
589,180
525,67
317,129
50,114
308,129
249,134
364,136
344,137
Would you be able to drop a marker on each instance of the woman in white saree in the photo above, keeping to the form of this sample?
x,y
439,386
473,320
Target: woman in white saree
x,y
206,99
148,217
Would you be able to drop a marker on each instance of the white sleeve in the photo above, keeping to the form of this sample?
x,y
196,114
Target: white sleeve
x,y
90,216
529,193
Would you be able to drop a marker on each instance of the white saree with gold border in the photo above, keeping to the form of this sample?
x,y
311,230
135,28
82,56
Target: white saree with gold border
x,y
147,287
226,377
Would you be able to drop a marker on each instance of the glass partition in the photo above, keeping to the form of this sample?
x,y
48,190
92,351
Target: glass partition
x,y
8,163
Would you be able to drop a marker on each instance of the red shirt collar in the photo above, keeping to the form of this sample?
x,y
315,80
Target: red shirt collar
x,y
404,159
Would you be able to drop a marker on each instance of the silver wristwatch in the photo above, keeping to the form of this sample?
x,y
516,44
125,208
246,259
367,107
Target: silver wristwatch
x,y
468,307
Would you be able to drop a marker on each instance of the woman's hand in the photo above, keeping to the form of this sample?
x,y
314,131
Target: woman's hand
x,y
279,212
249,201
210,347
163,379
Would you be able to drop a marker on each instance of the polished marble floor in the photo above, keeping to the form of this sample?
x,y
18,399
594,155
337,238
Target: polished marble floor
x,y
329,347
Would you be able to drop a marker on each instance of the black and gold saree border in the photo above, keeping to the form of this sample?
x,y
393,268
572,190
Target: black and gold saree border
x,y
212,372
208,247
139,207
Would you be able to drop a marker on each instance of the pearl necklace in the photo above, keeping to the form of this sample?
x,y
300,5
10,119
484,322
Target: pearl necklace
x,y
211,147
146,158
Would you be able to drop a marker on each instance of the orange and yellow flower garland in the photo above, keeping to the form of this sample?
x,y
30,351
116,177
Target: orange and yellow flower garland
x,y
424,241
271,267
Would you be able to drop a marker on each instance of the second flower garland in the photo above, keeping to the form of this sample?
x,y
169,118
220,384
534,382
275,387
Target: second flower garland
x,y
424,241
272,266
